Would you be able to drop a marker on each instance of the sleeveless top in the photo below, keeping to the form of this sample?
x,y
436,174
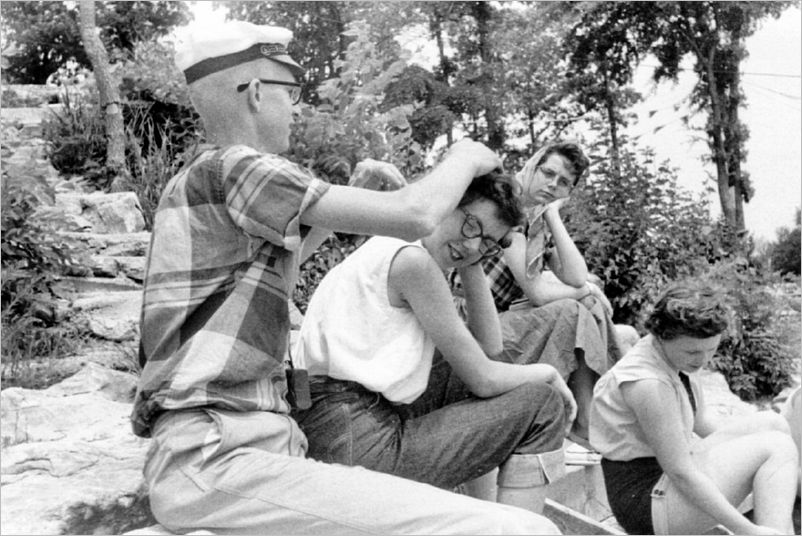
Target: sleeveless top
x,y
614,428
352,332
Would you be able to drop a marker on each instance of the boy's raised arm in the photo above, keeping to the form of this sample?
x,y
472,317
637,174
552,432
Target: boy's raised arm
x,y
411,212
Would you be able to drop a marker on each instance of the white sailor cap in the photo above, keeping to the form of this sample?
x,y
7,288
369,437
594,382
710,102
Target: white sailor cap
x,y
204,51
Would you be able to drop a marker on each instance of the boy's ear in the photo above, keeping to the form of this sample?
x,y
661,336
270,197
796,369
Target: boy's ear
x,y
255,96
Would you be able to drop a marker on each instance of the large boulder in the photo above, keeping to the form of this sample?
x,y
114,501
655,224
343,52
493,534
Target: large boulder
x,y
70,464
118,212
111,315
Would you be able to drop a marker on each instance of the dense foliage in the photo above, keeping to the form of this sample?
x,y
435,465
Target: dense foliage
x,y
34,255
76,136
45,35
511,75
787,250
610,38
161,127
752,355
640,229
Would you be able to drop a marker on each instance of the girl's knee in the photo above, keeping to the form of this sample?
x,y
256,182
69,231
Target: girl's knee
x,y
769,421
545,396
542,406
781,444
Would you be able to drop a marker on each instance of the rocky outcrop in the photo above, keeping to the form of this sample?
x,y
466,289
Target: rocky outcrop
x,y
70,463
99,212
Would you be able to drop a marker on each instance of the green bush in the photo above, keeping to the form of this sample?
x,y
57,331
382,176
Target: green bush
x,y
352,123
641,230
34,255
786,253
76,137
752,356
327,256
161,127
153,160
156,98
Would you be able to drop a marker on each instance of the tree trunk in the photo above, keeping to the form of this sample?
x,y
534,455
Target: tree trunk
x,y
735,135
436,27
609,104
495,130
726,192
109,96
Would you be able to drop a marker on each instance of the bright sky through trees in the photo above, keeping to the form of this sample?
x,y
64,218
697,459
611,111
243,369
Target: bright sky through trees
x,y
773,87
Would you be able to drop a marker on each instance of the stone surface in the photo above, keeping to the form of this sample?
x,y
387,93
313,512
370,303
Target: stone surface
x,y
582,489
103,266
111,315
28,162
132,267
718,397
70,463
69,287
108,213
114,244
28,118
69,454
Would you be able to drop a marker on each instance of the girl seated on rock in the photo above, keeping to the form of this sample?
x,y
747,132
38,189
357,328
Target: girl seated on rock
x,y
668,467
550,309
383,398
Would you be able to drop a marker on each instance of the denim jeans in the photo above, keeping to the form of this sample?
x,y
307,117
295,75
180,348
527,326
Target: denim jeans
x,y
444,438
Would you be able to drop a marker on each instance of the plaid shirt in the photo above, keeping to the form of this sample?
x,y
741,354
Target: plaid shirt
x,y
503,286
222,262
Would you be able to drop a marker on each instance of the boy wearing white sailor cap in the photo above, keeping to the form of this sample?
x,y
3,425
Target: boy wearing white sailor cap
x,y
230,230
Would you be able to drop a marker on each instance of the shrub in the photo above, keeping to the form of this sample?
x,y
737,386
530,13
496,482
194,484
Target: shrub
x,y
157,99
34,255
351,124
153,159
160,126
327,256
752,355
786,254
640,230
76,138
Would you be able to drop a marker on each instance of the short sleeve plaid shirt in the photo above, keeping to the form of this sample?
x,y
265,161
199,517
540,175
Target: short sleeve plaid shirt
x,y
502,283
222,264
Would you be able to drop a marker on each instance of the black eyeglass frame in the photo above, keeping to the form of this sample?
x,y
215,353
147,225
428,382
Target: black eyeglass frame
x,y
488,247
295,100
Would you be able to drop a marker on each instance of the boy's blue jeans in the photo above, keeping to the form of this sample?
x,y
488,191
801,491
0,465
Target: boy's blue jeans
x,y
444,438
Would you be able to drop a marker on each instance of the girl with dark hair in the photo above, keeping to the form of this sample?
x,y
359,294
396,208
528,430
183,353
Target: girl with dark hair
x,y
550,310
669,467
384,399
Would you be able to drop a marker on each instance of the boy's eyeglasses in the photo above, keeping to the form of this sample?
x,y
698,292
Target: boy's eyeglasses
x,y
294,88
472,228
